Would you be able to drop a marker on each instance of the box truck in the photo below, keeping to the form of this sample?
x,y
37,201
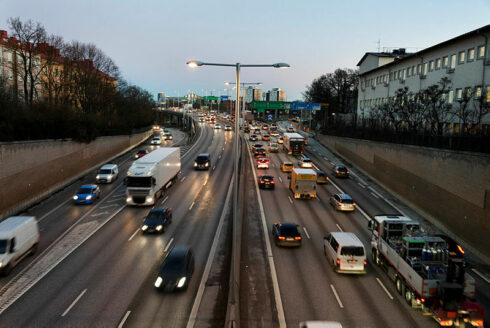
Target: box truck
x,y
303,183
294,143
19,237
150,175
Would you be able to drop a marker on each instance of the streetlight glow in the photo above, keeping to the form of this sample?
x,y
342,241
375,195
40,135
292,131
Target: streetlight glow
x,y
194,63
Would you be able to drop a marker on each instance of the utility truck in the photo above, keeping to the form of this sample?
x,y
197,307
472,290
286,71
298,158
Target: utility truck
x,y
303,183
150,175
294,143
425,272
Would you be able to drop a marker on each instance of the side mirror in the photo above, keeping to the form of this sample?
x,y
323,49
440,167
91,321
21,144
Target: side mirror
x,y
370,225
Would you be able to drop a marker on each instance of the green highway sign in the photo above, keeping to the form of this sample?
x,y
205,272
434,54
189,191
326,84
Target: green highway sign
x,y
210,98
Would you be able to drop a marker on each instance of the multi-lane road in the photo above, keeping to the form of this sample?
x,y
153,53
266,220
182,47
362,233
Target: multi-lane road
x,y
94,267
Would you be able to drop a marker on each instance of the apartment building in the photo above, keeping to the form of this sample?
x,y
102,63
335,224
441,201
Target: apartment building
x,y
464,60
277,94
253,94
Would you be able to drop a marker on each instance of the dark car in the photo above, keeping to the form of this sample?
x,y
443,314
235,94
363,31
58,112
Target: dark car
x,y
266,182
340,171
286,234
246,129
260,152
257,145
176,270
321,177
253,137
157,220
266,137
202,162
141,153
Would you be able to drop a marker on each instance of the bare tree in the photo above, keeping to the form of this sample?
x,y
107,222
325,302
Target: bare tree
x,y
434,100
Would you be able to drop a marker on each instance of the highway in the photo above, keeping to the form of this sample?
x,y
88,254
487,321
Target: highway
x,y
108,280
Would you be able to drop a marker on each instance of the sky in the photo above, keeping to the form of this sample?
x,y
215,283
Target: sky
x,y
151,40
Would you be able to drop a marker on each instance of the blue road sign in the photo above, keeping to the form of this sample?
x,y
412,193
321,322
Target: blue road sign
x,y
224,98
269,117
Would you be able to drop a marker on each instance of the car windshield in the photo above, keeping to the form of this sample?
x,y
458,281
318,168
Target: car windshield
x,y
341,169
201,159
154,219
267,178
156,139
288,231
288,164
352,251
138,182
142,152
84,191
105,172
3,246
306,160
346,200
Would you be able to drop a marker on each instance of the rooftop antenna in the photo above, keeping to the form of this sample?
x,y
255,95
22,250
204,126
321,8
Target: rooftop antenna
x,y
379,45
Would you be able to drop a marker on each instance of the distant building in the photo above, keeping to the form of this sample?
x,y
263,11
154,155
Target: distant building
x,y
277,94
253,94
464,60
161,97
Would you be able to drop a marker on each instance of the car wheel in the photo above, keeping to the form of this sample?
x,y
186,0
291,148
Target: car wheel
x,y
399,286
408,296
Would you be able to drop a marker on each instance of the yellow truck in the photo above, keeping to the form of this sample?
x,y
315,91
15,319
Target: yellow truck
x,y
303,183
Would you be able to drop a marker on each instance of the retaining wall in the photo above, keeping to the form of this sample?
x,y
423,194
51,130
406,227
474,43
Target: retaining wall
x,y
452,188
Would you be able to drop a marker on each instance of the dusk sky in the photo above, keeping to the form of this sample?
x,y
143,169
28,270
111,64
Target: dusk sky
x,y
151,40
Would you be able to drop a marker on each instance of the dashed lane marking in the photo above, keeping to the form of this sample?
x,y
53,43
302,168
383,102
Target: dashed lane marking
x,y
192,205
374,195
336,296
384,288
290,200
74,302
168,245
134,234
306,232
121,324
339,227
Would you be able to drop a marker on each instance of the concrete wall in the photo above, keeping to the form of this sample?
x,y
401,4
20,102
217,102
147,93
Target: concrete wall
x,y
452,187
30,170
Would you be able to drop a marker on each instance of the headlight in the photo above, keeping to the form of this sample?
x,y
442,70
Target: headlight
x,y
195,164
149,199
128,199
75,197
159,227
207,164
89,197
158,282
144,227
97,177
181,282
1,264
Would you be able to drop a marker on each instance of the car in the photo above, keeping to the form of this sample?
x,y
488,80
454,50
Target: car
x,y
290,129
202,162
246,129
287,166
266,181
107,173
253,137
217,126
257,145
265,127
280,140
262,163
256,131
227,127
273,147
141,153
259,152
201,120
286,234
340,171
321,177
156,141
176,270
274,133
274,125
305,162
157,220
87,194
167,136
266,137
342,202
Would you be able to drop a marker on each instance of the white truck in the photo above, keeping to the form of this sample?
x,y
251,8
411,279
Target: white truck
x,y
426,272
303,183
19,237
294,143
150,175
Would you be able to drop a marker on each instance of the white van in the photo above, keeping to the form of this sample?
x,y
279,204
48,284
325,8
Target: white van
x,y
19,237
320,324
107,173
345,252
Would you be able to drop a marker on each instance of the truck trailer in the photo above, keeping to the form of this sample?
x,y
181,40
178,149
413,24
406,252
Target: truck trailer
x,y
150,175
426,274
303,183
294,143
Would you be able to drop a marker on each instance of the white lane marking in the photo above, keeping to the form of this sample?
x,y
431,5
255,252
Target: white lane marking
x,y
339,227
168,245
219,157
107,206
207,268
318,198
384,288
115,200
192,205
99,214
280,179
164,200
332,163
374,195
74,302
481,275
121,324
134,234
54,209
182,179
223,148
205,181
275,283
316,167
306,232
325,158
214,167
360,184
337,296
290,200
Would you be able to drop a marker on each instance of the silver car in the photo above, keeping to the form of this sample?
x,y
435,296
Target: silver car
x,y
342,202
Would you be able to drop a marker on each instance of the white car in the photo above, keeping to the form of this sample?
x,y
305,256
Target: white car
x,y
156,141
227,128
305,163
217,126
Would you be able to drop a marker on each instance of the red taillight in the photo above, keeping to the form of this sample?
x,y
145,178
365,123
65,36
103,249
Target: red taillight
x,y
365,262
354,204
460,249
340,204
337,171
281,237
261,181
338,261
347,172
272,182
297,238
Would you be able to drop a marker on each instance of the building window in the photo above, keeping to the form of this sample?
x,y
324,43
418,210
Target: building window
x,y
467,93
459,94
391,76
438,63
478,92
445,62
453,62
481,52
9,57
431,65
426,65
404,72
450,97
419,68
11,75
471,54
461,58
487,98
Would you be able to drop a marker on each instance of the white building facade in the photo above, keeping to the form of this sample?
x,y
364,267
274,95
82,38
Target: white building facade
x,y
464,60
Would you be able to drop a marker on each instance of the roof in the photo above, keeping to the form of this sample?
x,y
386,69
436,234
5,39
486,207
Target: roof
x,y
108,166
304,171
383,54
14,222
480,30
347,238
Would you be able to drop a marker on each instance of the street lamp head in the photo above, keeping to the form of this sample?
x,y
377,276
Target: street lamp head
x,y
228,83
194,63
280,65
